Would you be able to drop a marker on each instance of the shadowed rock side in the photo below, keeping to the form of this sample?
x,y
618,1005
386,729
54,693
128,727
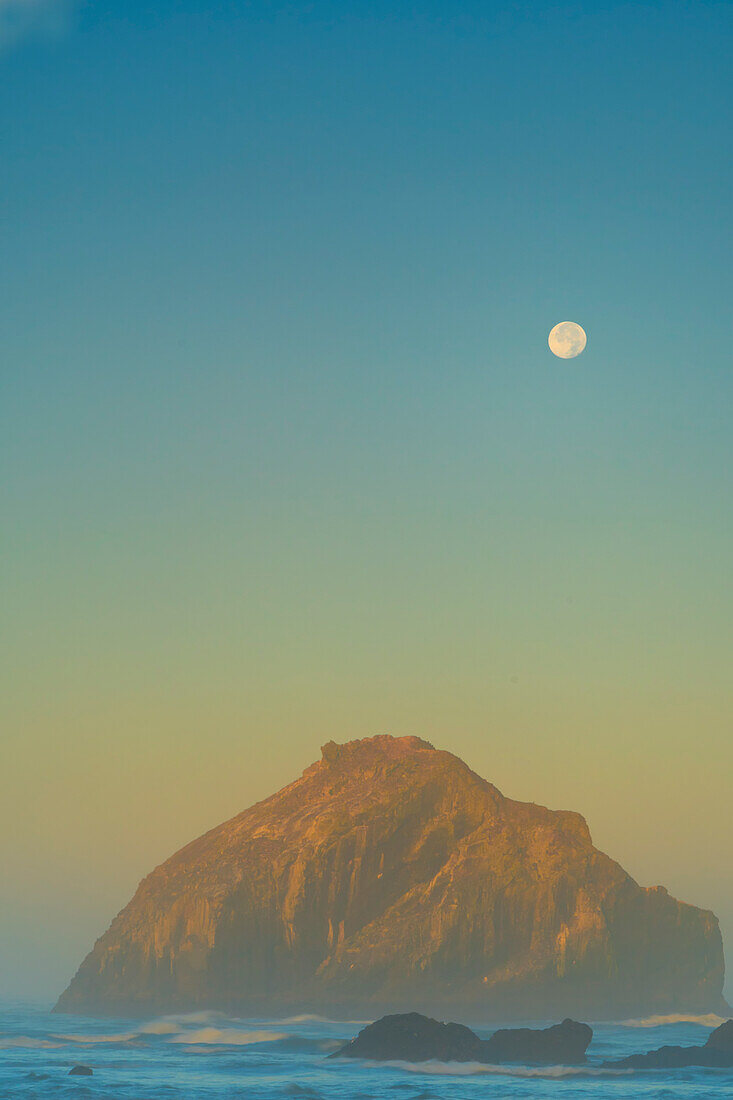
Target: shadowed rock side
x,y
564,1043
717,1053
410,1037
390,874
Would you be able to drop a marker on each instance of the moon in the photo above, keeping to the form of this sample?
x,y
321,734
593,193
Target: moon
x,y
567,340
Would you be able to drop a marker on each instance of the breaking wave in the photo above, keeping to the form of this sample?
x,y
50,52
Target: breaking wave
x,y
160,1027
122,1037
466,1069
27,1041
310,1018
226,1036
307,1018
711,1019
174,1030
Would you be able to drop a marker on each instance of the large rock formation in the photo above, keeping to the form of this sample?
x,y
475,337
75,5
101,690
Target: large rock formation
x,y
410,1037
388,876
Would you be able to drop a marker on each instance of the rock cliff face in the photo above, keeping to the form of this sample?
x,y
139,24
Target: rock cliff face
x,y
390,876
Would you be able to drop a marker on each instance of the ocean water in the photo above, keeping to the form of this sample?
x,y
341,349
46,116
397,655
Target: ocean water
x,y
210,1056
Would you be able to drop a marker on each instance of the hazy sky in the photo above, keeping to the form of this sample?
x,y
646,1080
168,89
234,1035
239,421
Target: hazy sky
x,y
285,456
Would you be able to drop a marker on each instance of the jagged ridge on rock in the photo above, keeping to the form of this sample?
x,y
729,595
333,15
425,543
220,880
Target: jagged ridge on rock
x,y
390,875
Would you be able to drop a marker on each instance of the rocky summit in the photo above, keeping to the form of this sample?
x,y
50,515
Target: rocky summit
x,y
390,876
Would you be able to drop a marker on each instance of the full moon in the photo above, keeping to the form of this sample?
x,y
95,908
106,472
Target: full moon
x,y
566,340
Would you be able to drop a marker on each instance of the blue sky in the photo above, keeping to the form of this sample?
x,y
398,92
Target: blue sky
x,y
285,455
368,215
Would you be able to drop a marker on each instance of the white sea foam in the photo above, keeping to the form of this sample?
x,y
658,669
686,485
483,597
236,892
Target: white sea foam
x,y
711,1019
160,1027
227,1036
122,1037
306,1018
174,1023
465,1069
205,1016
311,1018
8,1042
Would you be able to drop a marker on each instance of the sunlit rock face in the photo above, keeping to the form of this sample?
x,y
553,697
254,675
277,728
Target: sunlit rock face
x,y
390,877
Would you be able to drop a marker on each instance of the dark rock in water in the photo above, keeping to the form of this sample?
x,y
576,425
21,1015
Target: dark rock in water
x,y
80,1071
717,1053
561,1044
410,1037
722,1037
391,875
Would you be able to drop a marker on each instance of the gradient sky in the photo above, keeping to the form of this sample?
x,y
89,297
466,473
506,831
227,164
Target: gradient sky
x,y
285,456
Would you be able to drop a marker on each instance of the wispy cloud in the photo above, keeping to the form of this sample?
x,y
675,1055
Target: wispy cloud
x,y
20,18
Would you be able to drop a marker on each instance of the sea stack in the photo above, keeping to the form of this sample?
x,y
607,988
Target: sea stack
x,y
389,876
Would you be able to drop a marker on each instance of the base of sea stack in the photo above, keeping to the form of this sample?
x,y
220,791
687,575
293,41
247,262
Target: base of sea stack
x,y
410,1037
506,1004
